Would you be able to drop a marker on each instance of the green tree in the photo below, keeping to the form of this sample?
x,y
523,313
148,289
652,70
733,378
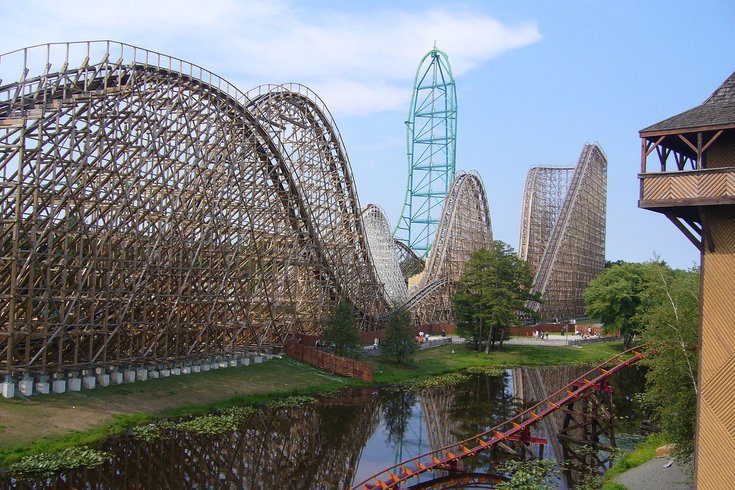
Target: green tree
x,y
342,332
399,340
671,316
615,298
492,295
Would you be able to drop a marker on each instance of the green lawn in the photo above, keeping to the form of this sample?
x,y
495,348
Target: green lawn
x,y
459,356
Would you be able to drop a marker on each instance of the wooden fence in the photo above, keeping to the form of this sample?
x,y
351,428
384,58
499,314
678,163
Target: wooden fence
x,y
330,362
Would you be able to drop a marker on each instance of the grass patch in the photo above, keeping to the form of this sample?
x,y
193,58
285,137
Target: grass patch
x,y
120,424
282,381
645,451
459,357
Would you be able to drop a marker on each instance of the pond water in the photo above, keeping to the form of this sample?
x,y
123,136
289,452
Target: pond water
x,y
346,438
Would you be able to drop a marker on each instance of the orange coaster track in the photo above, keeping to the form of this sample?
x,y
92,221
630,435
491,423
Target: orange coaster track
x,y
448,457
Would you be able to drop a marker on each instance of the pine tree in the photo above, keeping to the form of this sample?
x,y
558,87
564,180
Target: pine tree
x,y
342,333
399,340
492,295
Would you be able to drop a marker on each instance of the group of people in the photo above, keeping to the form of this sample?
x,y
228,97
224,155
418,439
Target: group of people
x,y
538,334
589,333
422,337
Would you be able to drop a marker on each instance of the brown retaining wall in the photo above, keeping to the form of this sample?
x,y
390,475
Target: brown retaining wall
x,y
330,362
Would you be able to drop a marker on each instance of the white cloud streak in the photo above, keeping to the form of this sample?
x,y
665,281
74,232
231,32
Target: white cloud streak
x,y
359,62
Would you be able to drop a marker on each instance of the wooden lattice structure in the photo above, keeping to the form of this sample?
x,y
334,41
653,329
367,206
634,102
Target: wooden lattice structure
x,y
151,211
382,247
464,227
691,180
543,196
563,231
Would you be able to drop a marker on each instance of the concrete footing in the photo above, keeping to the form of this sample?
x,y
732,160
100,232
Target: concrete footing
x,y
25,386
91,378
8,389
58,386
42,386
74,384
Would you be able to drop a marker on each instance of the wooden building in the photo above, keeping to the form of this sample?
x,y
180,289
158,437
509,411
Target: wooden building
x,y
694,187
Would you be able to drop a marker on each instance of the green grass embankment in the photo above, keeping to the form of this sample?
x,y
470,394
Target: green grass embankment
x,y
458,357
51,422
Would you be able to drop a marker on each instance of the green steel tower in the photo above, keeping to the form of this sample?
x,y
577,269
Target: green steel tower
x,y
431,144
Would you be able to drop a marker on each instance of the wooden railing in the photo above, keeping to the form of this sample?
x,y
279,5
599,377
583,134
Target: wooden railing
x,y
330,362
693,187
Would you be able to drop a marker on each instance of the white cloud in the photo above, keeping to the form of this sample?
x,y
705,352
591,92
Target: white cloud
x,y
358,61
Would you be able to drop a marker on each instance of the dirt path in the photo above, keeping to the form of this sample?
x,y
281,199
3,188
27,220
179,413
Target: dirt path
x,y
24,420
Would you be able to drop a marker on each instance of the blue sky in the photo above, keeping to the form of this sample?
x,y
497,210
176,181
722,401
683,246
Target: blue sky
x,y
535,80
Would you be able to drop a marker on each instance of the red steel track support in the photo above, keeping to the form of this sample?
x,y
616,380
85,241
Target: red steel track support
x,y
513,429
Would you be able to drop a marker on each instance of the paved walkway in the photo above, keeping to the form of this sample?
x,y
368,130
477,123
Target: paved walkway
x,y
654,476
552,340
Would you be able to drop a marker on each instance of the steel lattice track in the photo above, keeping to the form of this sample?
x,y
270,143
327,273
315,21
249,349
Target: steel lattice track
x,y
448,457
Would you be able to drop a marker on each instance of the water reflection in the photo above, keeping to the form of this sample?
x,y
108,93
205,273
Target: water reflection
x,y
343,439
305,447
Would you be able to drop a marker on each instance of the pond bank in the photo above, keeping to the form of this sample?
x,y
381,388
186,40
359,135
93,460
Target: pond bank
x,y
51,422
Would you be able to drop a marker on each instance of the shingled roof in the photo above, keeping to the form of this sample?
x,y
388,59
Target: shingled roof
x,y
717,110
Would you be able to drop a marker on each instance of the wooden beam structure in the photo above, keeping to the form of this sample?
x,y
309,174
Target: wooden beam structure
x,y
700,201
152,212
563,231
